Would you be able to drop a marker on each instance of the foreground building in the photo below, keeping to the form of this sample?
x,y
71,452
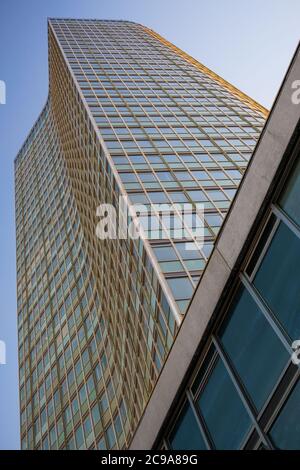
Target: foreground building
x,y
234,366
128,114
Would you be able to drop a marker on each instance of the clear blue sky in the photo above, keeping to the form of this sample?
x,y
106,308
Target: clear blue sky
x,y
250,43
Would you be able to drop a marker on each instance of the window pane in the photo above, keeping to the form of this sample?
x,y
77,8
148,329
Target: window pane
x,y
223,410
87,426
186,435
178,197
188,250
111,438
101,444
253,347
95,414
291,197
285,432
79,437
165,253
278,279
181,288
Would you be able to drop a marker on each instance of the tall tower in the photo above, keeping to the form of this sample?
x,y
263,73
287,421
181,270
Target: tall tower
x,y
128,114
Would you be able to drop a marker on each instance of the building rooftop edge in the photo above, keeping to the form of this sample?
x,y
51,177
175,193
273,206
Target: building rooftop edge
x,y
98,20
32,129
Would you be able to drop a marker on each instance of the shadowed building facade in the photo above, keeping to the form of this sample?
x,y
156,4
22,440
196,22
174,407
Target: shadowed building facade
x,y
128,114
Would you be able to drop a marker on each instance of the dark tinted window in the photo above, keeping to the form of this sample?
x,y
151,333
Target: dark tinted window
x,y
253,347
186,434
223,410
285,432
278,279
290,201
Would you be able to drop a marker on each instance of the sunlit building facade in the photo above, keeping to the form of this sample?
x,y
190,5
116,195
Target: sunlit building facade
x,y
128,114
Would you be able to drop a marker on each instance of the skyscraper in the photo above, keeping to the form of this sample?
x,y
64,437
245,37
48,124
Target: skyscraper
x,y
128,114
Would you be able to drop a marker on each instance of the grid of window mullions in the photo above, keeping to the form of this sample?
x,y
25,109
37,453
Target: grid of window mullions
x,y
80,59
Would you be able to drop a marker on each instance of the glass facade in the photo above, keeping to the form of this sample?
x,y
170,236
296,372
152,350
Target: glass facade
x,y
174,134
128,114
245,392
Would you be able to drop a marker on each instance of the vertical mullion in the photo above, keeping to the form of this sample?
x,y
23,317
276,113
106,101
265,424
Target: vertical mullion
x,y
239,388
199,419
